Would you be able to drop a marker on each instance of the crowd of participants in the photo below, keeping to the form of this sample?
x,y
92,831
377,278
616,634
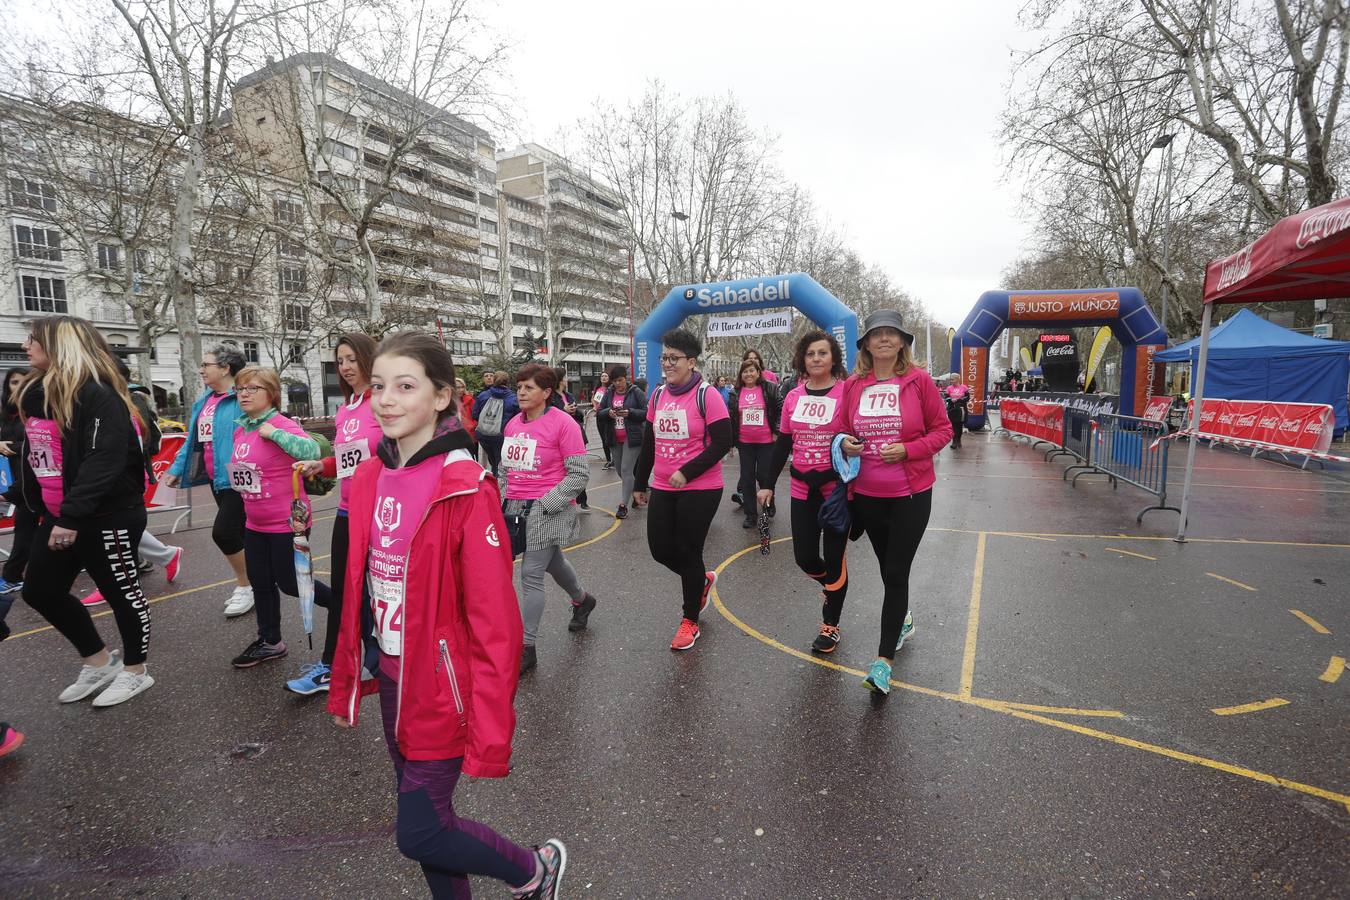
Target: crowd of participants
x,y
423,610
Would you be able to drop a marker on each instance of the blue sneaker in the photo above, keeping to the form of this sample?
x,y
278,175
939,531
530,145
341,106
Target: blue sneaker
x,y
906,630
878,678
313,679
10,587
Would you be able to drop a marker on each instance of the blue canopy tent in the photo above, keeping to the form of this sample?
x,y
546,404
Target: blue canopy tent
x,y
1252,359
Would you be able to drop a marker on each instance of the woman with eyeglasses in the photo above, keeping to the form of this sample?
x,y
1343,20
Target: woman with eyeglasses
x,y
85,457
754,410
204,459
688,432
267,445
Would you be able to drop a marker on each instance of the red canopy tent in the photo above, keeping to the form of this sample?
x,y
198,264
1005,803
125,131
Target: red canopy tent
x,y
1303,257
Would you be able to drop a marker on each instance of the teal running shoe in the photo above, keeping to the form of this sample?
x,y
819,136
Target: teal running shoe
x,y
878,678
906,630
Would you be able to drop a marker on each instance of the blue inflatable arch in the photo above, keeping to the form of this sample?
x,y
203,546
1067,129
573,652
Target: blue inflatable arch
x,y
1123,309
797,290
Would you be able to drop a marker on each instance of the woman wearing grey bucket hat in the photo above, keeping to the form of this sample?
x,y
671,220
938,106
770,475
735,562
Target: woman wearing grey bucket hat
x,y
896,422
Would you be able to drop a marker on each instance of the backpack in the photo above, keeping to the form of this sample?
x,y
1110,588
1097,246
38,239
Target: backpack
x,y
318,485
490,417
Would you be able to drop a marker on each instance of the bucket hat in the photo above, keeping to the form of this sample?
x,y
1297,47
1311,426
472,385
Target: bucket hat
x,y
884,318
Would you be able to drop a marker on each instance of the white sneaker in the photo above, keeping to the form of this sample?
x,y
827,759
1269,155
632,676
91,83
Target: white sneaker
x,y
240,602
92,678
125,686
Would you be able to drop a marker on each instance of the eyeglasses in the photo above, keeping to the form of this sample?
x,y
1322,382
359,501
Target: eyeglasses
x,y
207,365
669,360
248,390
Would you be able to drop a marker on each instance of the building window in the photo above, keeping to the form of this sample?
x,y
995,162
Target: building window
x,y
47,295
296,354
488,225
491,251
38,243
142,258
297,317
248,317
32,194
291,279
290,249
250,351
466,348
288,211
109,257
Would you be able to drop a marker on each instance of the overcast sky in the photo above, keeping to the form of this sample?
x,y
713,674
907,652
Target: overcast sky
x,y
886,112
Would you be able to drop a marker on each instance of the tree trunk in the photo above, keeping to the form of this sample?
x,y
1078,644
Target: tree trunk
x,y
181,264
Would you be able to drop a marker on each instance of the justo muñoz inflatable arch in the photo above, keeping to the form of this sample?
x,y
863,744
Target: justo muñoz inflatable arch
x,y
1124,310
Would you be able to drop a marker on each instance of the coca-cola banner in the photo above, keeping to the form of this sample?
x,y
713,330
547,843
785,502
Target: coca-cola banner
x,y
1301,257
1092,404
1157,409
1042,421
1296,426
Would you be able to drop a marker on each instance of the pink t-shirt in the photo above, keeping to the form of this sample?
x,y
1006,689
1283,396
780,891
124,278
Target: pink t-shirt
x,y
812,420
680,432
533,453
754,414
620,422
206,424
45,457
401,498
356,435
769,376
261,472
876,422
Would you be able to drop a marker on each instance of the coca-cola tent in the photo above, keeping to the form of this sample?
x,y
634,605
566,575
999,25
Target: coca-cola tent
x,y
1303,257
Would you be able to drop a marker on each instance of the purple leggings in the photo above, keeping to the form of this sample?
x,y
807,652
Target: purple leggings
x,y
448,847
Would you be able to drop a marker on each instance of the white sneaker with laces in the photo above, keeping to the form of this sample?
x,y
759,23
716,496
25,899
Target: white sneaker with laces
x,y
92,678
125,686
240,602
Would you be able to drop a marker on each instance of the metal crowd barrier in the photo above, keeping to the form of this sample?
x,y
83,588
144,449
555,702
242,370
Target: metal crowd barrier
x,y
1079,429
1122,448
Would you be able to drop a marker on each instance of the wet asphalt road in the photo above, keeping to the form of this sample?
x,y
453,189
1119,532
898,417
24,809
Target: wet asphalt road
x,y
1054,733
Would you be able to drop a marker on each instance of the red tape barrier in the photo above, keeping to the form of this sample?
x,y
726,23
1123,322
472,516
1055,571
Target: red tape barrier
x,y
1042,421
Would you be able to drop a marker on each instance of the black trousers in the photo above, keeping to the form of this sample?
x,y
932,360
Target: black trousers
x,y
492,446
228,529
338,568
755,460
956,430
677,528
895,526
25,527
104,547
270,561
604,426
828,568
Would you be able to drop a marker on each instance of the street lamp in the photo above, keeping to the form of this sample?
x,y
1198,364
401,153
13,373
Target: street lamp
x,y
1165,141
679,216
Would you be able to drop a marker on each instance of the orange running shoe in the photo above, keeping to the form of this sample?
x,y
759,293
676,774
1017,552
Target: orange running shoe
x,y
685,637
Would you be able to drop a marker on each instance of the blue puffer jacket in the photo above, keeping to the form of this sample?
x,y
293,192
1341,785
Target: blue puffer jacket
x,y
222,442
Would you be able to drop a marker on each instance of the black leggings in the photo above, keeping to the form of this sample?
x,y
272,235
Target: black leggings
x,y
228,529
755,460
270,560
25,526
104,547
492,446
337,566
831,571
677,528
895,526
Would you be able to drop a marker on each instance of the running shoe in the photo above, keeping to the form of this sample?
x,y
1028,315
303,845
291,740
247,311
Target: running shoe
x,y
314,678
529,658
827,640
171,570
709,580
125,686
93,598
685,637
581,612
240,602
552,863
906,630
11,739
92,678
259,652
608,465
878,677
736,499
10,587
143,566
621,512
749,521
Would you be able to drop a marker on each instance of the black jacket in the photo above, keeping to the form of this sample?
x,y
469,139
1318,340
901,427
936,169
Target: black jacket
x,y
102,468
635,423
24,491
773,408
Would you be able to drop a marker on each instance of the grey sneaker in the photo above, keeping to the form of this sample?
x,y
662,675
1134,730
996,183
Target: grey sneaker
x,y
92,678
125,686
259,652
906,630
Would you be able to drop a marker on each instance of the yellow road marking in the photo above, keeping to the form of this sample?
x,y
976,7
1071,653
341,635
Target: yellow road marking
x,y
1029,537
1009,710
1062,710
1132,553
973,622
1258,706
1334,670
1142,537
1245,587
1311,622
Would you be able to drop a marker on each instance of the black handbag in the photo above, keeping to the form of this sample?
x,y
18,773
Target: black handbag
x,y
515,528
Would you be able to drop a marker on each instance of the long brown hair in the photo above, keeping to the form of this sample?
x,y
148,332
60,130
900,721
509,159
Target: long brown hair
x,y
363,346
78,353
433,357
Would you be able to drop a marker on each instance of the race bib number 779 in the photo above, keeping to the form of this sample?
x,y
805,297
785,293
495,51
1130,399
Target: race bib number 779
x,y
880,400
